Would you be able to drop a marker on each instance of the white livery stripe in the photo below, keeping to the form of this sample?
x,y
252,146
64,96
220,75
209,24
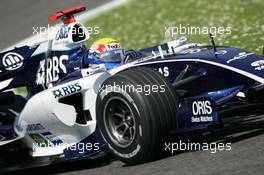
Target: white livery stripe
x,y
5,83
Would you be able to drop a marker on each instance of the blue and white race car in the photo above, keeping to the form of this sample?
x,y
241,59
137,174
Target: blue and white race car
x,y
124,105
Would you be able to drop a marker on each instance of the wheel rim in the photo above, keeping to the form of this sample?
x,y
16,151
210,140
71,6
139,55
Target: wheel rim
x,y
119,122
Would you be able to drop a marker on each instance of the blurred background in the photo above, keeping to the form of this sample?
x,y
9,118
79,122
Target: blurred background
x,y
139,24
142,23
17,18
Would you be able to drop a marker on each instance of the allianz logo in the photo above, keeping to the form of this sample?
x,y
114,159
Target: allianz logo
x,y
12,61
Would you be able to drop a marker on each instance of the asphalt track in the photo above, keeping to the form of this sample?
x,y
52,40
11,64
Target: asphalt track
x,y
245,133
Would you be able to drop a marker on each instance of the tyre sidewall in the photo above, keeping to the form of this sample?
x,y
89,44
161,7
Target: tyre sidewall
x,y
141,133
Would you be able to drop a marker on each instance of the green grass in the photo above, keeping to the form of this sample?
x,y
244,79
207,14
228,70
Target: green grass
x,y
21,91
140,24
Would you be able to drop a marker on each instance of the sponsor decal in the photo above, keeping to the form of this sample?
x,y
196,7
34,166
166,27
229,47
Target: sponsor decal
x,y
240,56
221,52
12,61
40,140
35,127
164,70
202,111
259,65
113,46
63,33
52,138
50,72
67,90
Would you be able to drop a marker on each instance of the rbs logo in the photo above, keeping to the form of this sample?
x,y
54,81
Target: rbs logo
x,y
202,107
49,71
67,90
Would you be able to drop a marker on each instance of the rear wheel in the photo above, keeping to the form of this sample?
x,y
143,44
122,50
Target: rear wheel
x,y
135,110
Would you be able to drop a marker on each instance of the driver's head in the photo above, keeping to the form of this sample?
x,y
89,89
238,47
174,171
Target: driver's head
x,y
107,50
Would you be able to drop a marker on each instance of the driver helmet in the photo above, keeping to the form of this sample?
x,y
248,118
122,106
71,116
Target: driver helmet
x,y
106,51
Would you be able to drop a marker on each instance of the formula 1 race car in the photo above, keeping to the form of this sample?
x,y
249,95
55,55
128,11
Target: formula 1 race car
x,y
72,111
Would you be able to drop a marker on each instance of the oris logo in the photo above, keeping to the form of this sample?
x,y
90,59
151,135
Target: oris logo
x,y
12,61
202,108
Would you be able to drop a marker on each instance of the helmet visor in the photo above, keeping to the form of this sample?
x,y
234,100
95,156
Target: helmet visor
x,y
111,56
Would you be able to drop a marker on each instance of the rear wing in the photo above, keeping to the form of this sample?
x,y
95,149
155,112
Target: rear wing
x,y
67,16
71,31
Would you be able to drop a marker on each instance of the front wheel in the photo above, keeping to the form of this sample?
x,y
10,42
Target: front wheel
x,y
135,111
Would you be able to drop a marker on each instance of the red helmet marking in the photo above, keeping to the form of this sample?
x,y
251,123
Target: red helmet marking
x,y
101,48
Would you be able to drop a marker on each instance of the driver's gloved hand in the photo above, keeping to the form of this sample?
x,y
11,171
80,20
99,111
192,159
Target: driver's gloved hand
x,y
131,55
